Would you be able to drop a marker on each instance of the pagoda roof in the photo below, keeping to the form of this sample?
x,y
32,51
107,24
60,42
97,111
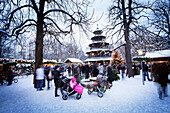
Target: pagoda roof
x,y
98,32
98,59
98,49
98,37
106,43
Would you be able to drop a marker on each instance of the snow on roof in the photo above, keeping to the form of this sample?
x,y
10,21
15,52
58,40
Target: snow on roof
x,y
98,59
72,60
158,54
98,49
46,60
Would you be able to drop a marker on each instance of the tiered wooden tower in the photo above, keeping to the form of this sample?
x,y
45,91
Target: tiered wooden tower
x,y
99,50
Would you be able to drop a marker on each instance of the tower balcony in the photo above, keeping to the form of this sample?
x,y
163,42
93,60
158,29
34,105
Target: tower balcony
x,y
99,47
101,55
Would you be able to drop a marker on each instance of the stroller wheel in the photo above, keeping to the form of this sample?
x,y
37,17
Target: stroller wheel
x,y
65,97
89,92
15,80
78,96
100,94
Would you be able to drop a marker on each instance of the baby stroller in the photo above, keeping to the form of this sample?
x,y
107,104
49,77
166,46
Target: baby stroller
x,y
70,87
99,86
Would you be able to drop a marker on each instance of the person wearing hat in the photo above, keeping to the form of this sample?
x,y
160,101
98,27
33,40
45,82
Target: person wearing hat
x,y
56,79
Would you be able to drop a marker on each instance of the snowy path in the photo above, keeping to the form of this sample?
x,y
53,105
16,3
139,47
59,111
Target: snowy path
x,y
126,96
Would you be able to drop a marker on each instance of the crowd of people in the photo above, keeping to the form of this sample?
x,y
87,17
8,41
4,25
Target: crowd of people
x,y
76,70
159,71
160,74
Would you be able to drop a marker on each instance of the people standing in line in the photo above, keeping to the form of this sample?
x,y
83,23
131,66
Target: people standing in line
x,y
76,74
109,73
162,72
123,70
40,75
87,70
57,79
145,72
101,69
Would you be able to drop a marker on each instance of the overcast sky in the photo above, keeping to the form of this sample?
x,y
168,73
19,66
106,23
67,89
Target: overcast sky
x,y
100,9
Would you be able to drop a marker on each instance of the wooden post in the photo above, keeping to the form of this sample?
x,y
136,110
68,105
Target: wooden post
x,y
151,71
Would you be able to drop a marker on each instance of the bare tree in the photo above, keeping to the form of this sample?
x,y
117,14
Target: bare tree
x,y
43,15
125,16
154,35
121,15
160,22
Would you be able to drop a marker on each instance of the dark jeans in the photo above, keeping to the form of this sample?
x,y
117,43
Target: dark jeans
x,y
87,75
9,80
57,85
48,83
39,84
146,73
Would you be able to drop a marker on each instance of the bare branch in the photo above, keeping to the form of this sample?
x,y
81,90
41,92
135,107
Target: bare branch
x,y
17,9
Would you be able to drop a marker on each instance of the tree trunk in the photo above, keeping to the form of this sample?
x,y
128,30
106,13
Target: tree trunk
x,y
39,39
126,32
39,46
128,57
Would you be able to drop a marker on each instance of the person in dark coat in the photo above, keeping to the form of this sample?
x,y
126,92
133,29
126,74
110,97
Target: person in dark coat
x,y
48,74
76,74
135,69
145,72
123,70
72,68
162,73
9,76
118,68
87,70
83,68
57,79
1,79
154,66
109,74
69,70
94,70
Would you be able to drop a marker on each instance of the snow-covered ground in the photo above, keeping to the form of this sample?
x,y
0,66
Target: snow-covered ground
x,y
126,96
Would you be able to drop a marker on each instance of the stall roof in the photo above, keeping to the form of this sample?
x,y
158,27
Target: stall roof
x,y
72,60
158,54
162,55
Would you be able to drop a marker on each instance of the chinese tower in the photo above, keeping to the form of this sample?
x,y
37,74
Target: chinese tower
x,y
99,50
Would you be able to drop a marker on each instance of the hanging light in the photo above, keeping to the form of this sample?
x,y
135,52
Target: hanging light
x,y
140,52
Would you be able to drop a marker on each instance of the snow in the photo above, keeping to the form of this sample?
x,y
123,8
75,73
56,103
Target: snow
x,y
73,60
126,96
46,60
158,54
97,49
